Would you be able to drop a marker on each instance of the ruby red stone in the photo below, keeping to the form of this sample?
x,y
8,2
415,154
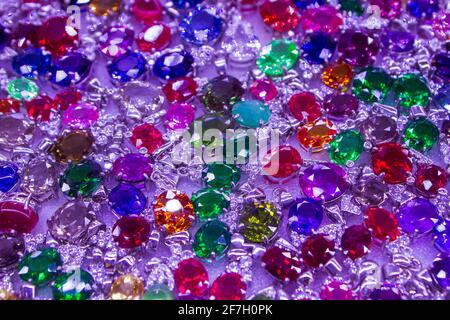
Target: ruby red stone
x,y
317,250
16,217
65,99
283,162
57,36
382,223
282,263
8,105
357,48
131,232
180,89
154,38
228,286
340,106
280,15
430,178
356,241
25,35
148,137
264,89
337,290
40,108
147,11
324,19
191,278
392,160
304,106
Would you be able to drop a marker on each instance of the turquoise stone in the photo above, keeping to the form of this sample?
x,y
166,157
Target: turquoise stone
x,y
251,113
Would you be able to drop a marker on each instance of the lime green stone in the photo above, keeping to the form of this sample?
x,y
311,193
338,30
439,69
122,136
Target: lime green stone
x,y
354,6
73,285
420,134
40,267
259,221
278,56
346,147
222,176
158,292
23,89
411,90
209,203
372,85
212,240
81,179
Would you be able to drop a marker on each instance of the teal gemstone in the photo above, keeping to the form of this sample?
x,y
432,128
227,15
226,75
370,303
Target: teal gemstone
x,y
251,113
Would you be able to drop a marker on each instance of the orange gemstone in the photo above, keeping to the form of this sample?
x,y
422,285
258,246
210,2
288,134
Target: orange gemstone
x,y
173,211
315,135
337,75
104,7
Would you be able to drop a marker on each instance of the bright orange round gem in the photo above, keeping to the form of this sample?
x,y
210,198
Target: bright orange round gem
x,y
337,75
104,7
315,135
173,211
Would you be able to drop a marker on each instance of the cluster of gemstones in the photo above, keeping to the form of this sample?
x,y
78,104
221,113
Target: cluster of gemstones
x,y
94,203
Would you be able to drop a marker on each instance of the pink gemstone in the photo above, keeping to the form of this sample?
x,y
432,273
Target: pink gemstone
x,y
441,25
228,286
337,290
322,19
116,41
340,106
389,9
80,116
147,11
14,216
154,38
180,115
264,89
191,278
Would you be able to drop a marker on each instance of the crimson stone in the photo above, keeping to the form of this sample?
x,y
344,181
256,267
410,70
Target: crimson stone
x,y
180,89
382,223
340,106
25,35
280,15
357,48
356,241
304,106
9,105
264,89
57,36
155,38
282,263
337,290
392,160
40,108
16,217
317,250
282,162
430,178
131,232
228,286
191,278
148,137
147,11
65,99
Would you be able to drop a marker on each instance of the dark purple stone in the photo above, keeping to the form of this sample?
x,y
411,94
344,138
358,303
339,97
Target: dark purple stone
x,y
357,48
340,106
305,216
441,270
386,292
441,63
70,69
417,216
5,38
445,129
398,41
442,236
132,167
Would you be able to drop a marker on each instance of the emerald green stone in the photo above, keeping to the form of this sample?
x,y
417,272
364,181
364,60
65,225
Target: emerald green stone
x,y
420,134
73,285
158,292
372,85
346,146
236,149
354,6
278,56
23,89
259,221
251,113
209,203
212,240
81,179
40,267
221,175
412,90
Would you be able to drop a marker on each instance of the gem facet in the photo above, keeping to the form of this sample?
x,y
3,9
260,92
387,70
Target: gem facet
x,y
346,147
180,115
116,41
74,285
356,241
148,137
9,177
317,250
173,211
31,63
17,217
71,69
147,11
209,203
282,263
264,89
392,160
72,146
379,129
81,180
132,167
23,89
191,277
173,65
201,26
340,106
57,36
421,134
278,56
126,199
382,223
417,216
357,48
304,106
441,270
337,290
372,85
180,90
40,267
318,48
321,19
315,135
221,93
127,287
228,286
280,15
155,38
260,221
429,179
305,216
219,175
212,240
251,113
131,232
80,116
411,90
337,75
127,67
40,109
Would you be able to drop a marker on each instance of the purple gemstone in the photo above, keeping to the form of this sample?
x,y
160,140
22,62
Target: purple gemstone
x,y
441,270
132,167
340,106
180,115
386,292
357,48
442,236
305,216
445,129
80,116
116,41
417,216
441,63
70,69
324,181
398,41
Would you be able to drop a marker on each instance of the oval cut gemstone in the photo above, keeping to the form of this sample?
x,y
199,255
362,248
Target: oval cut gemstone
x,y
31,63
9,177
411,90
398,41
209,203
131,232
40,267
441,64
379,129
221,175
317,250
173,65
318,48
386,292
23,89
313,136
173,211
441,270
57,36
17,217
304,106
74,285
127,67
346,147
201,26
228,286
72,146
251,113
441,236
9,105
11,250
337,75
392,160
40,109
357,48
282,163
147,11
126,199
191,277
64,99
264,89
370,192
127,287
132,167
417,216
421,134
81,180
282,263
221,93
429,179
15,130
155,38
280,15
389,9
180,89
116,41
80,116
337,290
340,106
372,85
212,240
148,137
324,19
260,221
278,56
180,116
305,216
356,241
71,69
382,223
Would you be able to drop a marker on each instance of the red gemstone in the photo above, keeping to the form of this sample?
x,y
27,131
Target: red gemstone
x,y
392,160
131,232
382,223
25,35
154,38
429,179
356,241
147,11
8,105
180,90
281,15
317,250
40,108
57,36
228,286
16,217
282,162
304,106
282,263
65,99
191,278
264,89
148,137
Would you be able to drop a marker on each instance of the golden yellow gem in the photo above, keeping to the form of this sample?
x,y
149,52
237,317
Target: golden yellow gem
x,y
7,295
337,75
104,7
313,136
127,287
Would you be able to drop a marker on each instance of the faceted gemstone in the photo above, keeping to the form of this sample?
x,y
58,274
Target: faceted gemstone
x,y
209,203
173,211
372,85
357,48
356,241
318,48
180,116
212,240
74,285
180,90
6,294
127,287
423,8
321,19
429,179
441,25
217,121
104,7
17,217
324,181
71,69
25,35
340,106
221,175
116,41
346,147
441,63
337,290
379,129
141,98
441,270
441,236
191,277
132,167
40,267
236,146
147,11
81,180
31,63
280,15
264,89
251,113
131,232
15,130
23,89
305,216
317,250
304,106
315,135
183,4
371,192
393,161
303,4
127,67
9,105
126,199
64,99
411,90
260,221
398,41
417,216
278,56
386,292
337,75
72,146
389,9
9,177
201,26
80,116
154,38
39,178
148,137
442,99
57,36
421,134
354,6
282,263
158,292
173,65
40,109
228,286
11,249
221,93
282,162
382,223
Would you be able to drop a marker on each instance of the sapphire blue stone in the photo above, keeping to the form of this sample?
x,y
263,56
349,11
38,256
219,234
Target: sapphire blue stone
x,y
423,8
182,4
173,65
305,216
70,69
31,63
441,63
201,26
126,199
442,99
318,48
442,236
127,67
303,4
9,177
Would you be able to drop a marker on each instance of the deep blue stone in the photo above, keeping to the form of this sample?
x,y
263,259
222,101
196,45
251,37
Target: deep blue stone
x,y
5,38
386,292
70,69
126,199
305,216
441,62
303,4
173,65
9,176
442,99
181,4
127,67
423,8
318,48
32,62
398,41
441,234
201,26
441,270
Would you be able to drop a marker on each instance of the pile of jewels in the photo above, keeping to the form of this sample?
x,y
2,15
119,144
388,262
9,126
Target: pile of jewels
x,y
93,204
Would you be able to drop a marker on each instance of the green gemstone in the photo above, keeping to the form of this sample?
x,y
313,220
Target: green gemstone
x,y
40,267
346,146
372,85
277,57
158,292
251,113
212,121
23,89
222,176
260,221
237,147
209,203
73,285
261,296
420,134
81,179
412,90
212,240
352,6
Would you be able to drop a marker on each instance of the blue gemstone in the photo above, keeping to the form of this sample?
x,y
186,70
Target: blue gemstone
x,y
441,63
182,4
318,48
441,270
126,199
4,38
305,216
9,177
423,8
303,4
442,236
31,63
398,41
173,65
442,99
70,69
127,67
201,26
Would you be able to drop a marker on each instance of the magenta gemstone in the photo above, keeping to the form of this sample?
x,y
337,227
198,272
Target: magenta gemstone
x,y
441,25
15,217
132,167
337,290
264,89
340,106
324,19
180,116
417,216
147,11
357,48
389,9
116,41
80,116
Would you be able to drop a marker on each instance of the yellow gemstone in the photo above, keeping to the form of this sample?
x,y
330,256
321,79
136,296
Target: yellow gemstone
x,y
104,7
127,287
313,136
337,75
7,295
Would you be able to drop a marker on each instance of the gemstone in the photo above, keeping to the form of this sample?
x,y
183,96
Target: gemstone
x,y
57,36
173,65
356,241
417,216
221,93
191,278
40,267
260,221
278,56
305,216
347,146
31,63
209,203
441,63
303,4
315,135
81,179
441,236
154,38
23,89
317,250
339,106
398,41
15,131
212,240
318,48
220,175
324,181
125,199
173,211
304,106
9,177
71,69
74,285
264,89
6,295
40,109
429,178
442,98
357,48
215,121
282,162
445,128
127,287
132,167
11,250
337,290
131,232
72,146
251,113
228,286
423,8
389,9
379,129
17,217
9,105
280,15
80,116
64,99
441,25
127,67
39,178
104,7
441,270
372,85
147,137
393,161
354,6
116,41
180,116
147,11
321,19
201,26
382,223
25,35
282,263
386,292
421,134
141,98
183,4
180,90
411,90
370,192
337,75
158,292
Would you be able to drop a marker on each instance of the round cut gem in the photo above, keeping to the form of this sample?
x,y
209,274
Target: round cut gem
x,y
40,267
251,113
346,147
131,232
441,270
9,177
126,199
398,41
305,216
337,290
23,89
17,217
104,7
357,48
317,250
209,203
221,93
173,65
441,236
74,285
421,134
147,11
127,287
337,75
220,175
423,8
264,89
382,223
80,116
389,9
280,15
63,100
40,109
116,41
318,48
81,180
31,63
212,240
340,106
57,36
417,216
278,56
154,38
260,221
191,278
72,146
282,162
372,85
356,241
158,292
129,66
315,135
393,161
11,250
304,106
71,69
173,211
441,64
411,90
321,19
228,286
180,90
180,116
148,137
429,179
201,26
39,178
132,167
370,192
379,129
282,263
9,105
